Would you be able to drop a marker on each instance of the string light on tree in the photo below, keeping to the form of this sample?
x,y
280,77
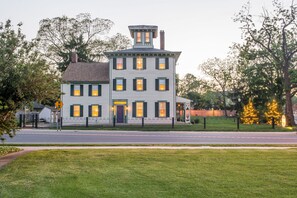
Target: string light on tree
x,y
249,114
273,111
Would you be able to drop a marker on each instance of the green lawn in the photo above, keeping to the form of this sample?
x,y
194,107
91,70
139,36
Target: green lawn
x,y
152,173
4,150
212,124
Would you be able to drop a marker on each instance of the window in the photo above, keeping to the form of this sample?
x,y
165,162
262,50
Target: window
x,y
119,64
162,109
139,84
76,110
94,90
119,85
147,37
162,84
139,63
76,90
162,63
138,37
139,109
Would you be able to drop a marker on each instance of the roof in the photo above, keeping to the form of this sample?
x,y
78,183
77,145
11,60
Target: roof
x,y
182,100
87,72
143,52
143,28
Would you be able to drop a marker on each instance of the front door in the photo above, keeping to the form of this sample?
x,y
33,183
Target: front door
x,y
120,114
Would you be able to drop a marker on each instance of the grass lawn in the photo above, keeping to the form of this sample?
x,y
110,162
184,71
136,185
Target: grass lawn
x,y
4,150
152,173
212,124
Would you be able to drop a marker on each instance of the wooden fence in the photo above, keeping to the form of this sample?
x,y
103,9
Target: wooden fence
x,y
207,113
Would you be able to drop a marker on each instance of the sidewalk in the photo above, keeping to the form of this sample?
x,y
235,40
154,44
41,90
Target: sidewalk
x,y
4,160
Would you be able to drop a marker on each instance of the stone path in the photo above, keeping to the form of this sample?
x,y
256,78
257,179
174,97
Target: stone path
x,y
4,160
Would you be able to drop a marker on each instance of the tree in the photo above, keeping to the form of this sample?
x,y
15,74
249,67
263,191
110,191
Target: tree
x,y
274,112
275,39
60,36
249,114
189,84
220,71
24,76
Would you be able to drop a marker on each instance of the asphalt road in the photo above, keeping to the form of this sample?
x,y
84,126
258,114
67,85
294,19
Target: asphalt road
x,y
42,136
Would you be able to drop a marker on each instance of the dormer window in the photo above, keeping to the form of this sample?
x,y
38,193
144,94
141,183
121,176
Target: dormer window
x,y
147,37
138,37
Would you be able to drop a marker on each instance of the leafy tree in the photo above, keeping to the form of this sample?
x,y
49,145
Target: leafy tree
x,y
189,84
273,111
60,36
275,40
24,76
249,114
220,71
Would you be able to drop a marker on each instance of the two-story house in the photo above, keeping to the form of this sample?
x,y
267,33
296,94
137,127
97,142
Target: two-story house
x,y
136,83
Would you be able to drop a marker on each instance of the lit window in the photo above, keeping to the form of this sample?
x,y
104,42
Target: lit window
x,y
147,37
138,37
139,109
119,85
76,110
162,84
139,84
119,63
95,110
162,63
139,63
76,91
95,90
162,109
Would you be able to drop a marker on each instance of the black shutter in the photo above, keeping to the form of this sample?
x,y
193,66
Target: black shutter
x,y
145,109
166,63
133,109
114,84
157,63
124,84
71,90
90,110
134,63
81,111
114,63
157,84
167,109
71,110
100,110
144,84
90,90
81,90
167,84
134,84
124,63
99,90
144,63
156,109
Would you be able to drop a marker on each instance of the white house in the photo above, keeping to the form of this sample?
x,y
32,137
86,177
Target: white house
x,y
136,83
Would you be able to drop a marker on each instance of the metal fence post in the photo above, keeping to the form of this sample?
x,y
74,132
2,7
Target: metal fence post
x,y
273,123
61,122
142,122
204,122
238,123
114,121
172,124
36,120
87,121
21,120
24,120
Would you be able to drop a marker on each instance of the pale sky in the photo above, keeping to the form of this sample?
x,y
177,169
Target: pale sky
x,y
200,29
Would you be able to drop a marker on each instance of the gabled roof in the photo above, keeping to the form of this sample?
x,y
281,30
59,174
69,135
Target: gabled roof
x,y
87,72
142,52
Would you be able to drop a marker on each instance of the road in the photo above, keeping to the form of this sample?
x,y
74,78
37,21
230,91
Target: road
x,y
43,136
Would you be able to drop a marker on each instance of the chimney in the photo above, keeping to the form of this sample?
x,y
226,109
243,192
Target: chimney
x,y
162,39
74,57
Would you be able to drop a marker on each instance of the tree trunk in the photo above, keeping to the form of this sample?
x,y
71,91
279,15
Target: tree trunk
x,y
287,86
224,101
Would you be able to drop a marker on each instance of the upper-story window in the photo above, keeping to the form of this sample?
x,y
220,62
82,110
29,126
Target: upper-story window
x,y
119,84
138,37
162,63
139,63
139,84
94,90
119,63
76,90
162,84
147,37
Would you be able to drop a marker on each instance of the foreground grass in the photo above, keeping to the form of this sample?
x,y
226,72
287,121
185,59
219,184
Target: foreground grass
x,y
212,124
4,150
152,173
